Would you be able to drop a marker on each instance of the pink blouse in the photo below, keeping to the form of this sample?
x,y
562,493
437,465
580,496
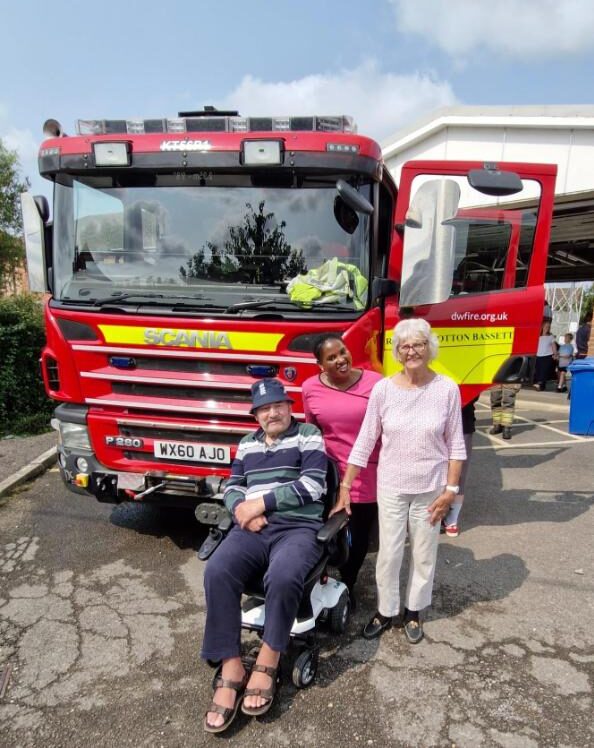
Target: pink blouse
x,y
339,414
420,430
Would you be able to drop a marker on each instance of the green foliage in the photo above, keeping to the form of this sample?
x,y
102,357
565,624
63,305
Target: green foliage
x,y
588,302
256,251
11,244
24,406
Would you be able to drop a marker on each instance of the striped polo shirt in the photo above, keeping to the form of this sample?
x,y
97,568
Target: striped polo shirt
x,y
290,473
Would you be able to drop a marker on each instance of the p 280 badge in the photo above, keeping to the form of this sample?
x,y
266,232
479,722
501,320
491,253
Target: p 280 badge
x,y
124,441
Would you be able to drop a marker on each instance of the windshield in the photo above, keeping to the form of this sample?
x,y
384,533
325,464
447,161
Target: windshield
x,y
201,240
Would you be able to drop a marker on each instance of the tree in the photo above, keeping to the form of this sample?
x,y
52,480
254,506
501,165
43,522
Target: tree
x,y
587,302
11,243
256,251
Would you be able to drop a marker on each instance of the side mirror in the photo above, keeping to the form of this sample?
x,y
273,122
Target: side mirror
x,y
429,244
353,198
491,181
346,217
33,229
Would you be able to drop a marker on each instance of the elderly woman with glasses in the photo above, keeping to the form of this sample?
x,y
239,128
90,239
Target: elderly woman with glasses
x,y
417,415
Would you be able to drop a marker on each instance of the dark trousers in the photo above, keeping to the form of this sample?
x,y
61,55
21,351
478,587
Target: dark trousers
x,y
361,524
282,553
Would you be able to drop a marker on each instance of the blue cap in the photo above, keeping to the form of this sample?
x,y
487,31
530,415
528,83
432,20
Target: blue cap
x,y
268,391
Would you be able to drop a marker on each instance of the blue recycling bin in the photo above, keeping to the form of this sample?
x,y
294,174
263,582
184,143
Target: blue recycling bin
x,y
581,405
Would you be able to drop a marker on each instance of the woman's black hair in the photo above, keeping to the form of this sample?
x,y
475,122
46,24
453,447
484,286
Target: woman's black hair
x,y
322,340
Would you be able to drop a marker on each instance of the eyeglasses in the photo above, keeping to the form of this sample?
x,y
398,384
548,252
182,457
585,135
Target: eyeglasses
x,y
416,347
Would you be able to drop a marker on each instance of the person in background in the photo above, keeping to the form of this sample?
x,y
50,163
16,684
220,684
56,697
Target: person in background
x,y
503,406
335,401
566,352
545,356
547,313
582,336
450,525
417,414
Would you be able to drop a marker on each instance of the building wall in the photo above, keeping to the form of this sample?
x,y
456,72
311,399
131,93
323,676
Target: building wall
x,y
572,149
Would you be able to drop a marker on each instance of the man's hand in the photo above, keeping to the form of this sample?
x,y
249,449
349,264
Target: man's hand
x,y
248,510
256,524
440,507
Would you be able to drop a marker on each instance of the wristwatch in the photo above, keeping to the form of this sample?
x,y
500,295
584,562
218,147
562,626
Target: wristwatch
x,y
453,489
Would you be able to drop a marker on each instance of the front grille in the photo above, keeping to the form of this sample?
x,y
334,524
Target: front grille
x,y
180,393
223,368
181,434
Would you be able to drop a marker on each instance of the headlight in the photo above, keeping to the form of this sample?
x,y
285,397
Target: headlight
x,y
74,435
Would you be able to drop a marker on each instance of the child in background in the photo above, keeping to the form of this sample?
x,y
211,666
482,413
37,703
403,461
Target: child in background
x,y
565,353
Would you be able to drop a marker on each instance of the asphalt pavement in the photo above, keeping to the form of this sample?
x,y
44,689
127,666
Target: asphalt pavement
x,y
102,608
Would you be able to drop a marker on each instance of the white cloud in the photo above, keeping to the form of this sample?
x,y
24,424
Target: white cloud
x,y
380,102
21,141
526,29
25,145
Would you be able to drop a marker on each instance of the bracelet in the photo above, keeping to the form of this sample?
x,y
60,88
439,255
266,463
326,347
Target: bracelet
x,y
348,486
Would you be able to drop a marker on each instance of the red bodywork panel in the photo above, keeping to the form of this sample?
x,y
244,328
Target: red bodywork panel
x,y
218,141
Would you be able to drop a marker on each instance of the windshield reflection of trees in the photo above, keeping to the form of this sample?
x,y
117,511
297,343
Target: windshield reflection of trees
x,y
256,251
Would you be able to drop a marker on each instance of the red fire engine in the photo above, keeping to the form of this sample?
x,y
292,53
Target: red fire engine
x,y
188,257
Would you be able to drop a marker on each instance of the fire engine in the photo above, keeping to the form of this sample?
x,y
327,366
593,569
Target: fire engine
x,y
187,257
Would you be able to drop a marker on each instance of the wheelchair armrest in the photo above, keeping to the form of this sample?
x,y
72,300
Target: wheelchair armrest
x,y
333,526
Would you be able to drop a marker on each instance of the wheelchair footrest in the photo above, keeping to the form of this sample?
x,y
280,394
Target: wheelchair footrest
x,y
210,544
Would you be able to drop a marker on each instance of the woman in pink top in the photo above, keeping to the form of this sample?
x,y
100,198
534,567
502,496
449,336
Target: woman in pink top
x,y
336,401
417,415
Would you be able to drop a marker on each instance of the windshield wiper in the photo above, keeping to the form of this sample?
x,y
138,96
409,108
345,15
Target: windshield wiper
x,y
124,297
334,306
263,303
286,303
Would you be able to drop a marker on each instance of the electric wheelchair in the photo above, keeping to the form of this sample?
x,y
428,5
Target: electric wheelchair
x,y
324,598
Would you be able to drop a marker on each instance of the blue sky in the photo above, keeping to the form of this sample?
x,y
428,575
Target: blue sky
x,y
387,62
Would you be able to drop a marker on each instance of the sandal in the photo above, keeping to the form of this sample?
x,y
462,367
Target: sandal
x,y
266,693
229,712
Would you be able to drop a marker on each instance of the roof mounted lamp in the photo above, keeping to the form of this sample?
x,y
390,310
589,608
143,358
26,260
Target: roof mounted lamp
x,y
53,129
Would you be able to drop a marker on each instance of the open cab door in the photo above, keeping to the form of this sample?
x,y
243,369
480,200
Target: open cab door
x,y
470,254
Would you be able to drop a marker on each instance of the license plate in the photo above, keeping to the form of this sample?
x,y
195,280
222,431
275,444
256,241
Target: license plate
x,y
193,451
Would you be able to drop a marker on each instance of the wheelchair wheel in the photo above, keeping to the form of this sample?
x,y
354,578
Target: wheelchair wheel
x,y
305,668
339,615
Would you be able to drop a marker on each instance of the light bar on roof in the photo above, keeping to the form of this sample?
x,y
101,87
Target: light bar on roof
x,y
315,123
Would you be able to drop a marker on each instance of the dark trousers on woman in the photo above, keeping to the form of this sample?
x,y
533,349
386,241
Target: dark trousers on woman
x,y
543,371
363,518
282,553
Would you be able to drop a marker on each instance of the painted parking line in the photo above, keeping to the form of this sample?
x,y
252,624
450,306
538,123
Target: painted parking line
x,y
496,444
544,425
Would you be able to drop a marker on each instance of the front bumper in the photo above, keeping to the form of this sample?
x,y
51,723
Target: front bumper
x,y
83,474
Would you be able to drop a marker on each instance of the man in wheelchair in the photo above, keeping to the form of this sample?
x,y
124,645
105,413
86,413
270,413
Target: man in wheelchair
x,y
275,496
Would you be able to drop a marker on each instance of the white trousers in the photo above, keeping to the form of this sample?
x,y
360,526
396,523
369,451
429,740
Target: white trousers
x,y
396,515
